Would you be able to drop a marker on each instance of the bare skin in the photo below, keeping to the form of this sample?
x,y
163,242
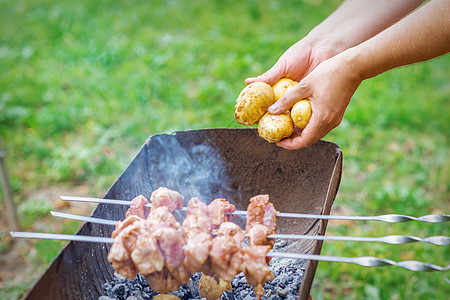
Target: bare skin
x,y
330,67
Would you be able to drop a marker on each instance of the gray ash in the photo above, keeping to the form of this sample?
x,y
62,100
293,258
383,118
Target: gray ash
x,y
288,277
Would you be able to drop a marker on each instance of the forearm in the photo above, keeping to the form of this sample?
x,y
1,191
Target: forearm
x,y
355,21
422,35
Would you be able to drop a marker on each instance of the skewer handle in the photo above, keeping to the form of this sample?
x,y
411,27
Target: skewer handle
x,y
366,261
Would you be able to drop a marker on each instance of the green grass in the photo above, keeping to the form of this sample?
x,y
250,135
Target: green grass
x,y
84,83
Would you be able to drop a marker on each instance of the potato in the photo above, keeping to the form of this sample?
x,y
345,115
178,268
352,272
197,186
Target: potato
x,y
253,102
166,297
282,86
274,128
301,113
209,288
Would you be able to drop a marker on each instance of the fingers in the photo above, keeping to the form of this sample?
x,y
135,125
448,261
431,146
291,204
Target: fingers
x,y
269,77
297,141
292,96
303,138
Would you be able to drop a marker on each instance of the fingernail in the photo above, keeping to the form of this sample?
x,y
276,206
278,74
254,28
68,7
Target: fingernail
x,y
273,109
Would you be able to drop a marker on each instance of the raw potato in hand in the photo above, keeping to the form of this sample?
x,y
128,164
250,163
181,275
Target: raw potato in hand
x,y
301,113
282,86
274,128
253,102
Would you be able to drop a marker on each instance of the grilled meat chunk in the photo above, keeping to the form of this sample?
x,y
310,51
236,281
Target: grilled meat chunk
x,y
226,257
121,225
161,217
256,269
196,229
124,243
257,235
197,253
138,207
197,219
166,197
171,244
261,211
228,229
163,281
121,261
147,256
219,210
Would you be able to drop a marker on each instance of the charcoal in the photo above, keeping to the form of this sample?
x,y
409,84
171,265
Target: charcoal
x,y
227,295
281,280
120,290
147,296
184,292
249,297
282,292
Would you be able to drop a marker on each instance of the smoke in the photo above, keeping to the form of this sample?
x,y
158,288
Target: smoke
x,y
195,171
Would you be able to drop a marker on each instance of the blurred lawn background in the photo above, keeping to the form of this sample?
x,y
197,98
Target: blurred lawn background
x,y
84,83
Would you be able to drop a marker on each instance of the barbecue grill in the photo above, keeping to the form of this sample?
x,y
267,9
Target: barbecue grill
x,y
235,164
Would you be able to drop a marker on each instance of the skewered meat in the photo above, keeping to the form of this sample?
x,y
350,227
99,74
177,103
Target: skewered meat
x,y
121,225
228,229
197,252
261,221
166,253
257,235
125,236
166,197
225,254
196,229
121,261
152,247
138,207
147,256
256,269
220,210
171,244
160,217
261,211
197,219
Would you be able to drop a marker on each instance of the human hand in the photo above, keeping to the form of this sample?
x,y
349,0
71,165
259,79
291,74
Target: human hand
x,y
329,88
296,63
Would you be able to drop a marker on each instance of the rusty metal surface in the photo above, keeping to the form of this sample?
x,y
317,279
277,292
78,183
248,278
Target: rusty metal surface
x,y
231,163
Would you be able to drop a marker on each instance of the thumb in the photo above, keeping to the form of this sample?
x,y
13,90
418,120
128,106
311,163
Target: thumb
x,y
292,96
269,77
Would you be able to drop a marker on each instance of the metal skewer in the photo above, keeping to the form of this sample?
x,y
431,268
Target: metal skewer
x,y
390,218
390,239
57,236
366,261
82,218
